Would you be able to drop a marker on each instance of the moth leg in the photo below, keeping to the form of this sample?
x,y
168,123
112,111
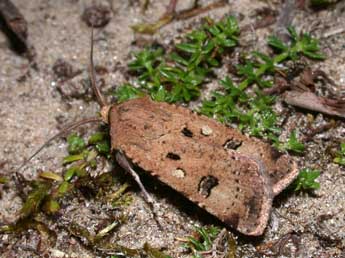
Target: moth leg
x,y
124,163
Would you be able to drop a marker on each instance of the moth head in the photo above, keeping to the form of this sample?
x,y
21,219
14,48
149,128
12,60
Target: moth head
x,y
105,113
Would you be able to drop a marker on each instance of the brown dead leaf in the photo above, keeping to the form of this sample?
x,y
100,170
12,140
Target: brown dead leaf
x,y
309,100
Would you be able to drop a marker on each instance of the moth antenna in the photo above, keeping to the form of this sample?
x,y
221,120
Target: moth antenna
x,y
100,98
65,130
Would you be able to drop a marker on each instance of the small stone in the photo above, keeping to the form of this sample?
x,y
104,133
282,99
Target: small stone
x,y
57,253
62,69
206,130
97,16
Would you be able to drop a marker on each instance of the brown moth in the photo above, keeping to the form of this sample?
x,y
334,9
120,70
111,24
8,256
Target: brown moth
x,y
232,176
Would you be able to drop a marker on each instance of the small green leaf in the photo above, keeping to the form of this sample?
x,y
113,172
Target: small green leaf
x,y
178,59
340,155
64,187
293,33
146,59
339,160
268,64
76,144
205,240
161,94
309,47
151,28
103,232
50,175
70,173
197,245
247,70
127,92
97,137
293,144
51,206
187,47
3,180
103,147
276,43
73,158
91,155
306,180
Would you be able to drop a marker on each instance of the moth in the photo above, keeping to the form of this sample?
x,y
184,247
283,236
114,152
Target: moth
x,y
232,176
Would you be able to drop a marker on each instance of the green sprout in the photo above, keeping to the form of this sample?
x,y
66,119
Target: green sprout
x,y
306,180
293,144
206,236
302,44
340,155
203,239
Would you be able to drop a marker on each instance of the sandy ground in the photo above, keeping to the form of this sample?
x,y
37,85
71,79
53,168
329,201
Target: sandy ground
x,y
31,110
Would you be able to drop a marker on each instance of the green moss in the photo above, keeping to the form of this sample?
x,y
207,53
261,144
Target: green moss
x,y
39,192
306,180
76,144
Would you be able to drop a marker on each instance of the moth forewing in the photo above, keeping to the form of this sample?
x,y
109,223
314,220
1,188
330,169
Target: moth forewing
x,y
175,145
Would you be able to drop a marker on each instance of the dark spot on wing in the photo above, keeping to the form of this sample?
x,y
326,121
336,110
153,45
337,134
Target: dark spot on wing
x,y
173,156
232,144
206,184
147,126
186,132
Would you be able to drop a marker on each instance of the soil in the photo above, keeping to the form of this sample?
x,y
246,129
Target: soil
x,y
34,105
